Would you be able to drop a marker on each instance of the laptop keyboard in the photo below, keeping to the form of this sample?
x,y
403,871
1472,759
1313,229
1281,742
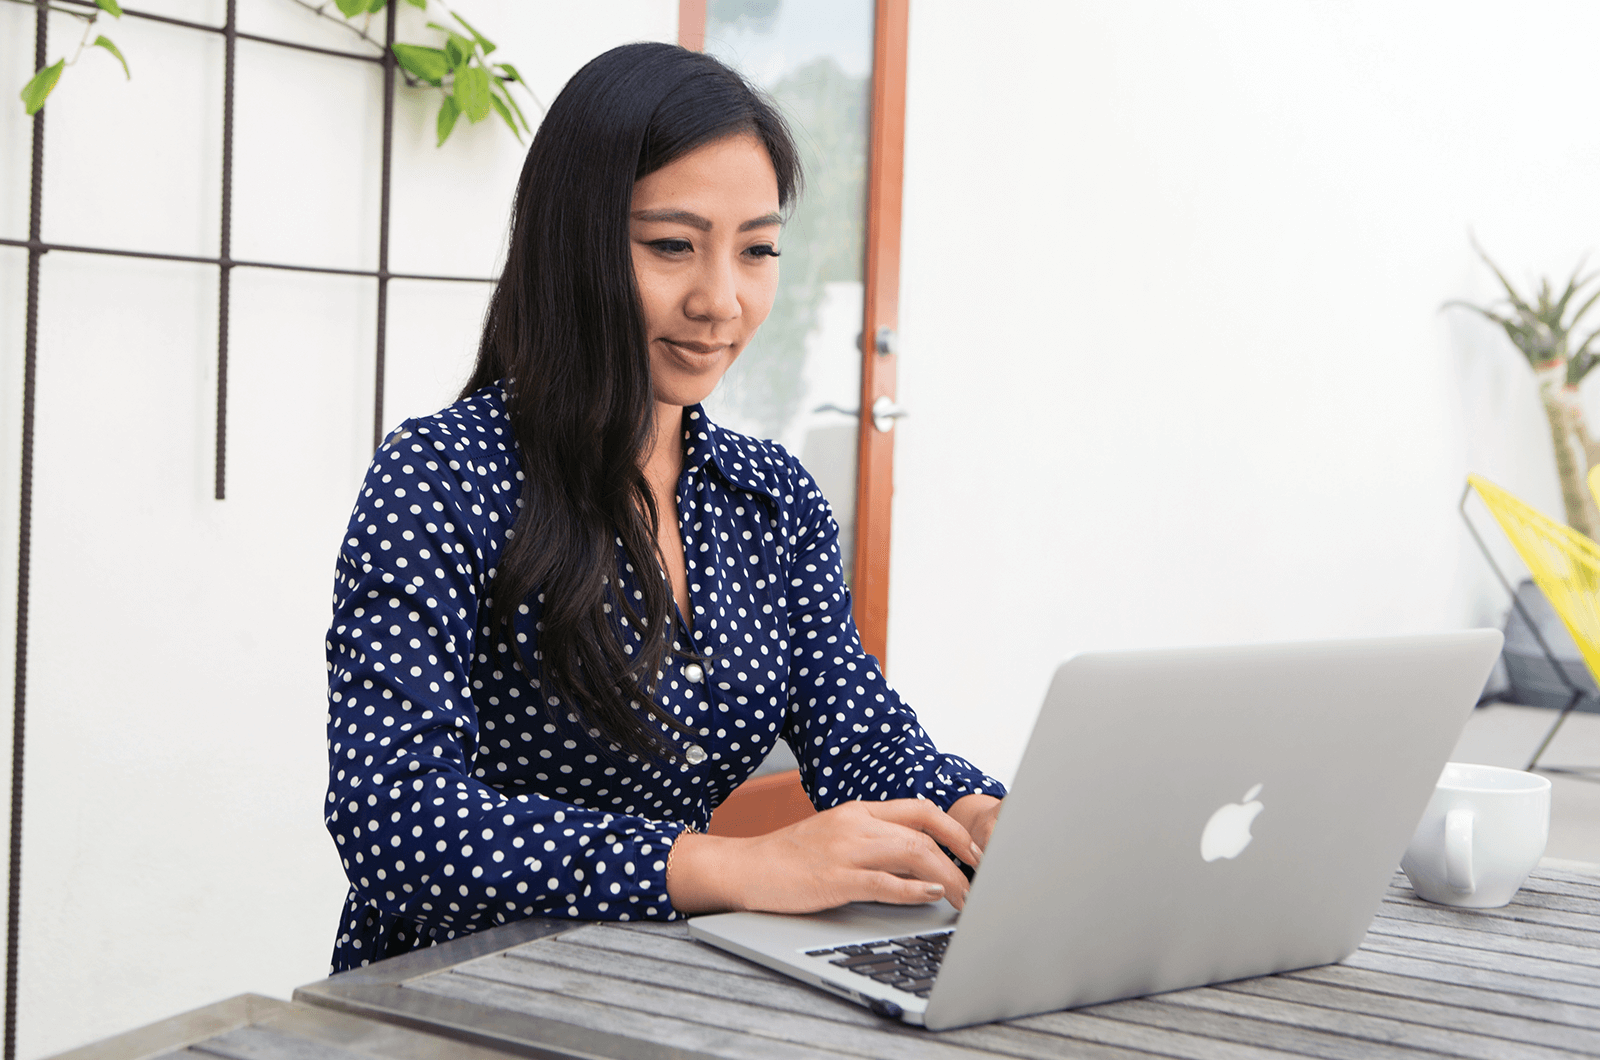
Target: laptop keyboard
x,y
908,964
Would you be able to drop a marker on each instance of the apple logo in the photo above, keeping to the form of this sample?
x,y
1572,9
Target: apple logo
x,y
1228,831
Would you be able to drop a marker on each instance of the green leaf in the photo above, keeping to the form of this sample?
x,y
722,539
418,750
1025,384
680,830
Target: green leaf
x,y
504,112
374,6
448,113
110,7
483,42
1522,336
1582,310
472,92
1582,362
420,5
102,42
39,85
430,64
509,72
1511,292
1574,284
501,84
351,8
459,49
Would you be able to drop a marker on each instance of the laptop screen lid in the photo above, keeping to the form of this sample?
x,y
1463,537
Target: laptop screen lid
x,y
1101,881
1104,877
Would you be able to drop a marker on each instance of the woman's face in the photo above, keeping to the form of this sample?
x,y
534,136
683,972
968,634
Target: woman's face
x,y
704,234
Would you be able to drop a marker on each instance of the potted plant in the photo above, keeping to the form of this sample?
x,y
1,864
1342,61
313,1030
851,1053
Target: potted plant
x,y
1543,330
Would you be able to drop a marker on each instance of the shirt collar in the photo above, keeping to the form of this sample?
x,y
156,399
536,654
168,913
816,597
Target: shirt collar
x,y
744,462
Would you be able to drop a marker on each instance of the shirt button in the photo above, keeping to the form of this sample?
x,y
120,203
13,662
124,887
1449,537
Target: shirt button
x,y
694,754
694,673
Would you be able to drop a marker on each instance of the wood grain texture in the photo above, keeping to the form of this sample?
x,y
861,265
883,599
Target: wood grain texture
x,y
685,1036
881,309
1519,983
262,1043
251,1027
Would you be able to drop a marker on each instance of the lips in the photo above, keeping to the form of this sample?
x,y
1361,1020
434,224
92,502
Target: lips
x,y
696,347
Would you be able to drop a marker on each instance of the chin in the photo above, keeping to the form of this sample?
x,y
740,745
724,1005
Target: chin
x,y
682,399
685,392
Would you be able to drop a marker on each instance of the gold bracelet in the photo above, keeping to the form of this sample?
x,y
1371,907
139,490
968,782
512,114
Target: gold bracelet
x,y
666,872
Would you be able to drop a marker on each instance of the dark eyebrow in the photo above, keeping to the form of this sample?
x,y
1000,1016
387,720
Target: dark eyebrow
x,y
683,217
694,220
762,222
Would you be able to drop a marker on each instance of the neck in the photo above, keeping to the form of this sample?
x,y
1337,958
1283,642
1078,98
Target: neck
x,y
665,462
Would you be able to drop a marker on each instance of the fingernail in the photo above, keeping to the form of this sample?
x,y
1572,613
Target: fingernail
x,y
977,853
935,890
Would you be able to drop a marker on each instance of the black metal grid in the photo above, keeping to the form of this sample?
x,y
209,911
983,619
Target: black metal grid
x,y
37,247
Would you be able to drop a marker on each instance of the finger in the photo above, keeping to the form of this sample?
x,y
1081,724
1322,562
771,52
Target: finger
x,y
983,831
925,817
922,860
896,890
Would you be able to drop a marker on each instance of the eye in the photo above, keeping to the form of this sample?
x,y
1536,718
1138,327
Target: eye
x,y
764,250
671,246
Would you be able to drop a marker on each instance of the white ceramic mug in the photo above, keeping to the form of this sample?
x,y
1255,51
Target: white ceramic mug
x,y
1484,831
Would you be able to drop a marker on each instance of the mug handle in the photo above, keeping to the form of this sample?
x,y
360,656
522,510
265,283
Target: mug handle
x,y
1458,850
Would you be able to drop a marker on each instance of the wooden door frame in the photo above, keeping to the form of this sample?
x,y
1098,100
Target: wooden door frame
x,y
692,24
881,279
875,449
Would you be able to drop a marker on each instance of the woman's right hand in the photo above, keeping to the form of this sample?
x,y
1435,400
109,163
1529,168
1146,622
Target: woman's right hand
x,y
854,852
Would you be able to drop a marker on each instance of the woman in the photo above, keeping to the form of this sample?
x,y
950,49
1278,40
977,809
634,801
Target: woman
x,y
571,615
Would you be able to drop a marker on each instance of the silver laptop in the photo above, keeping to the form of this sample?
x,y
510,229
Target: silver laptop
x,y
1179,818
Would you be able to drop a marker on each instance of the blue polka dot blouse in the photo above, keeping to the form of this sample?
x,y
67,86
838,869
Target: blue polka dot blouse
x,y
461,796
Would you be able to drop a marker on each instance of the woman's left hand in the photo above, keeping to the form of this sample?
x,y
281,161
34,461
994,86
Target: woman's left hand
x,y
977,814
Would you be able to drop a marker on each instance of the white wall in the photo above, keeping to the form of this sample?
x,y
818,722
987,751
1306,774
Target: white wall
x,y
174,853
1171,344
1171,332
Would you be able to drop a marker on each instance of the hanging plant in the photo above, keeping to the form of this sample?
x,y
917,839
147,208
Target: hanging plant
x,y
459,68
43,82
1542,329
457,65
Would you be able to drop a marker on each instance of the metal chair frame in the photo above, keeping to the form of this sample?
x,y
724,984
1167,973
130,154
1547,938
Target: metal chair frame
x,y
1590,773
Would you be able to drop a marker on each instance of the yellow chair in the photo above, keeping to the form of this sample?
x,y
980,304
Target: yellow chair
x,y
1565,565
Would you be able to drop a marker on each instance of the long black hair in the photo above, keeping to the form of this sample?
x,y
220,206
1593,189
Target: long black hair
x,y
565,329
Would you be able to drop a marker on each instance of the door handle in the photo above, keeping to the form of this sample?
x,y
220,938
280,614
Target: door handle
x,y
884,412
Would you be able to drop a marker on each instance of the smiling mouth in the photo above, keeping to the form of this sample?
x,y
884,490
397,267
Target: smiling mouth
x,y
696,347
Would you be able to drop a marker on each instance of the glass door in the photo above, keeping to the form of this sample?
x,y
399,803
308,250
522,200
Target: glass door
x,y
799,383
803,380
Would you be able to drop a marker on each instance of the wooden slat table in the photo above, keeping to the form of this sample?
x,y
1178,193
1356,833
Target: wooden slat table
x,y
252,1027
1519,983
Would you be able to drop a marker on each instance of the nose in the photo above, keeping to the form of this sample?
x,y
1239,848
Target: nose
x,y
714,296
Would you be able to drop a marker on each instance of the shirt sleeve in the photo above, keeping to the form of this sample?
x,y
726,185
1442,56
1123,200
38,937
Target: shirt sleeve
x,y
421,835
848,728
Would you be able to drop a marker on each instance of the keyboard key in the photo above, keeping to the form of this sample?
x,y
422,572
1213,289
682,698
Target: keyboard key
x,y
862,959
908,963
